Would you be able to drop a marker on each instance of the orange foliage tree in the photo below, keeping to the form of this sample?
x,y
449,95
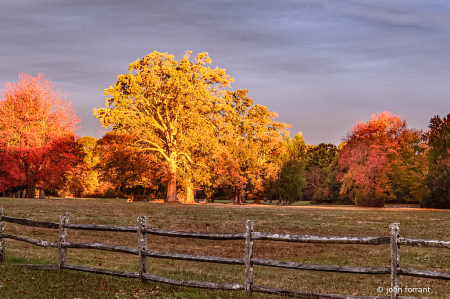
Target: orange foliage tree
x,y
36,133
251,138
83,179
121,164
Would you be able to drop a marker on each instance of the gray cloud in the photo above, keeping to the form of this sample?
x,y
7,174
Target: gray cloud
x,y
322,65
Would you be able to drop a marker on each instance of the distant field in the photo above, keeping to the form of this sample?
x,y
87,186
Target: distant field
x,y
225,218
264,203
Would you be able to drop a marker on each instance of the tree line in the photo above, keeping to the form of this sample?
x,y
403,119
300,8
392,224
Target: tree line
x,y
177,131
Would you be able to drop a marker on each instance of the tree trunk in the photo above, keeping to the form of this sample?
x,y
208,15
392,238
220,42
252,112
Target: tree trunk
x,y
41,193
189,186
31,189
237,197
257,201
172,184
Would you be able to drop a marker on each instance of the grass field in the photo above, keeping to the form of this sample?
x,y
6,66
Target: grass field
x,y
18,282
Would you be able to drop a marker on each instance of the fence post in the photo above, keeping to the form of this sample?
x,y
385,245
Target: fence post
x,y
248,257
395,258
2,240
142,245
63,219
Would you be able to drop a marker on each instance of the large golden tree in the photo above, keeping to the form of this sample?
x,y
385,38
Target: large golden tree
x,y
168,106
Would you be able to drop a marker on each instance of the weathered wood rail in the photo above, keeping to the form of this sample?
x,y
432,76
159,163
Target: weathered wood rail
x,y
394,240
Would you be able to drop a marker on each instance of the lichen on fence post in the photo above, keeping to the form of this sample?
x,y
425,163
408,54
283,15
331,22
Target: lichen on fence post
x,y
2,240
395,258
62,252
248,257
142,245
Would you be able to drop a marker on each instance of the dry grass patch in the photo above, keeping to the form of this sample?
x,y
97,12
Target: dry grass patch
x,y
308,220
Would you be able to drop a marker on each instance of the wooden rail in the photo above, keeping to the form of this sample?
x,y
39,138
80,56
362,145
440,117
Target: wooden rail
x,y
36,242
320,239
248,261
196,258
101,227
328,268
100,247
179,234
29,222
424,243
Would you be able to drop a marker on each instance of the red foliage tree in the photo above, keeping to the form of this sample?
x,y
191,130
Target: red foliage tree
x,y
383,159
10,174
369,157
36,133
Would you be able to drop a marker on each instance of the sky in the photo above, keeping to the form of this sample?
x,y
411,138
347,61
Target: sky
x,y
322,65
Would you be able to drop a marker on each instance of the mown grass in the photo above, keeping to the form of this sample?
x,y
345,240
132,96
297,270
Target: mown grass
x,y
18,282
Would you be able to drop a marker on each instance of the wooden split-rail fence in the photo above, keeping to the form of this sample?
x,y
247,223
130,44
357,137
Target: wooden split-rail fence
x,y
249,261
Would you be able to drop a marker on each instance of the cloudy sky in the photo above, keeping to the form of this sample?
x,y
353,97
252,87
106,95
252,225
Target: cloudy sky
x,y
321,65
